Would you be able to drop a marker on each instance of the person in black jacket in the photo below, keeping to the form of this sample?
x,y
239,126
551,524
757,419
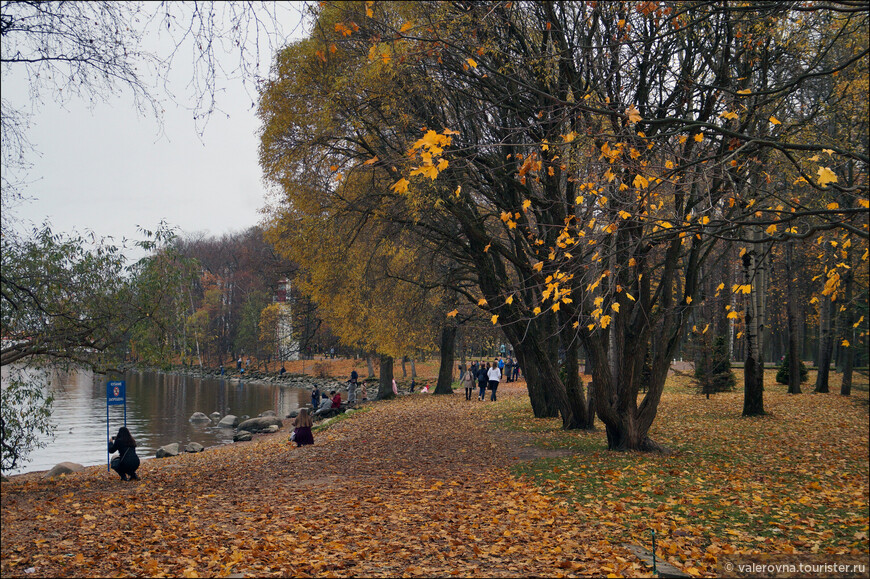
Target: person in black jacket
x,y
127,461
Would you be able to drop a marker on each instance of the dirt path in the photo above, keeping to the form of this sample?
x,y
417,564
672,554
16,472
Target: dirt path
x,y
415,487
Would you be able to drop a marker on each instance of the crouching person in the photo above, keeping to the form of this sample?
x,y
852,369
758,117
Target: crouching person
x,y
127,461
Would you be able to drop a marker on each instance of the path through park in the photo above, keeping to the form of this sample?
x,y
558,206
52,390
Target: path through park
x,y
414,487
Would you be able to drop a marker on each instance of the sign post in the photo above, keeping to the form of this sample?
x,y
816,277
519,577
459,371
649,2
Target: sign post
x,y
116,393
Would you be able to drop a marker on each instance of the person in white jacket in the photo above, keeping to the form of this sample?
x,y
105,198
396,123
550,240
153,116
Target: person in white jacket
x,y
494,376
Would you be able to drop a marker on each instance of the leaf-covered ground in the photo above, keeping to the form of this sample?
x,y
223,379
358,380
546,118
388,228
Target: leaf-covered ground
x,y
795,481
419,486
434,486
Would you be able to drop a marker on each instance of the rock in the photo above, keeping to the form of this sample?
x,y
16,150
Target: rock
x,y
293,414
194,447
273,428
215,416
199,417
229,421
169,450
349,411
260,424
63,468
268,413
242,436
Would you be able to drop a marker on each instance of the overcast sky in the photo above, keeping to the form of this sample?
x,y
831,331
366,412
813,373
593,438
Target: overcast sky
x,y
108,169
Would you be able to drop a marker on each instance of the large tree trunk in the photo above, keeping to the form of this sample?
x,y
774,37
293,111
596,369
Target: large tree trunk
x,y
753,369
546,389
573,384
385,383
826,337
445,370
848,330
794,370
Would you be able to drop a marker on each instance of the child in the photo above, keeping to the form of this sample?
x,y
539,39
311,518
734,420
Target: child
x,y
302,428
468,380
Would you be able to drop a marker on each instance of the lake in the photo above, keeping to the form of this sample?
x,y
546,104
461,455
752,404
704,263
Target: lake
x,y
158,408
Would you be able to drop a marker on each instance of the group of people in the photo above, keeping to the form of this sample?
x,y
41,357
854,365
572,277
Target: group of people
x,y
486,376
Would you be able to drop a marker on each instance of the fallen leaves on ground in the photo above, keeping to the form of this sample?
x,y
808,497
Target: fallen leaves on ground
x,y
794,481
415,487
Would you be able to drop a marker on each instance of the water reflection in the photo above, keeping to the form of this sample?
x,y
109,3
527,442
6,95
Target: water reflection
x,y
158,408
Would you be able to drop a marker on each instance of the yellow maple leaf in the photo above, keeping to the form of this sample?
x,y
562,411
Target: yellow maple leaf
x,y
536,311
486,249
442,164
699,137
826,176
733,315
538,266
771,230
832,206
401,186
640,182
471,62
452,314
774,121
494,319
569,137
745,91
688,299
481,302
728,114
615,307
509,300
633,115
845,343
426,170
371,161
407,26
526,204
705,220
865,203
604,321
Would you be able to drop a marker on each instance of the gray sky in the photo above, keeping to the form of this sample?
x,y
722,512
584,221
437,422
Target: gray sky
x,y
107,168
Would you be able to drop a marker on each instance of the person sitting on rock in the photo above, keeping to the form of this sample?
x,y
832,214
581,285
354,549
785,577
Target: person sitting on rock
x,y
302,428
127,461
325,402
336,399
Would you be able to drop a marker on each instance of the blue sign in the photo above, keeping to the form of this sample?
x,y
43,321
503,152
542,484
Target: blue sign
x,y
116,393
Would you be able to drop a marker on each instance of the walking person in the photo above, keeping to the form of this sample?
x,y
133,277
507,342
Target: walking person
x,y
482,379
508,369
494,376
127,461
468,382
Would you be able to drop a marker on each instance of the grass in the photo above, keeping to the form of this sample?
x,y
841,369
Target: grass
x,y
795,480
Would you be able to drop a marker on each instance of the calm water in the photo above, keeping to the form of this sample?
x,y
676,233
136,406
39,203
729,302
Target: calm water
x,y
158,409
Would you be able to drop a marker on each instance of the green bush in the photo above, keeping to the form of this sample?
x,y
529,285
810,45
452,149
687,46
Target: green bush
x,y
783,373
